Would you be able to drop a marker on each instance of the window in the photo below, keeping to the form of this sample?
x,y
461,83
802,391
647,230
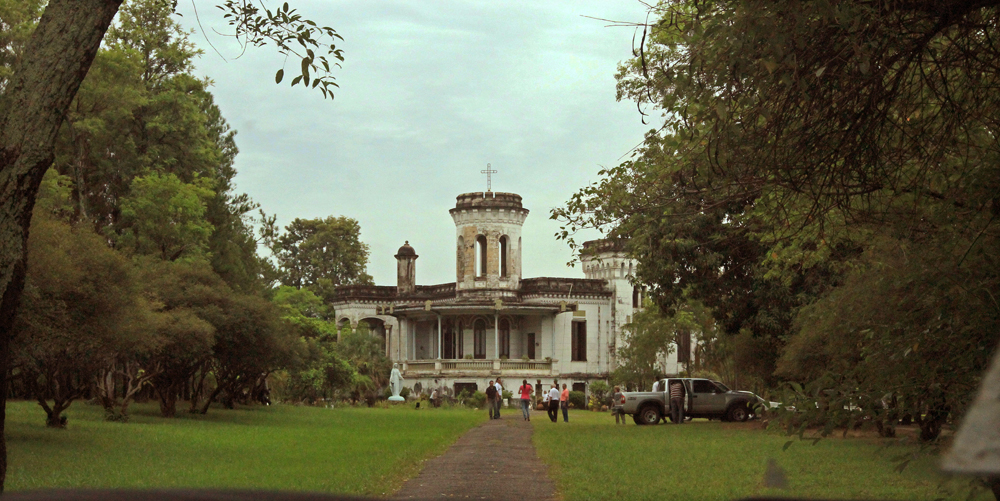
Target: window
x,y
579,344
505,338
684,347
479,333
702,386
481,256
531,345
635,297
468,388
448,340
582,387
503,256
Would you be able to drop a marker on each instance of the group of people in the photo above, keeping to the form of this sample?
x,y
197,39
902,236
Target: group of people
x,y
494,397
555,400
676,410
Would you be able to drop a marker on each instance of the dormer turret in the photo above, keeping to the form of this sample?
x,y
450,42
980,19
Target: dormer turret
x,y
406,269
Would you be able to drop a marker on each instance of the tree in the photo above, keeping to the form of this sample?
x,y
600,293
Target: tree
x,y
82,314
837,138
366,356
319,371
166,217
43,83
312,250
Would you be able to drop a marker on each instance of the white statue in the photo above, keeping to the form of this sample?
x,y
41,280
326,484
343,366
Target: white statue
x,y
396,384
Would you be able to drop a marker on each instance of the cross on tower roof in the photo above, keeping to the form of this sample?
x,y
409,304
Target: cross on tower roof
x,y
489,181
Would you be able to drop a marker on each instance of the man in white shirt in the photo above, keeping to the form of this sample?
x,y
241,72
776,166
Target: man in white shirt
x,y
499,399
656,386
554,403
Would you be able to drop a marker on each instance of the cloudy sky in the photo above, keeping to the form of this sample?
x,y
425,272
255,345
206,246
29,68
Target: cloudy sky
x,y
431,92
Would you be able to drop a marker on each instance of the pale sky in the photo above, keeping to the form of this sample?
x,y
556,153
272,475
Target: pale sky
x,y
430,92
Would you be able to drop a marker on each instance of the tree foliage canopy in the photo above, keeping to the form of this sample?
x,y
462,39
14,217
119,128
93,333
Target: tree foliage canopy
x,y
822,174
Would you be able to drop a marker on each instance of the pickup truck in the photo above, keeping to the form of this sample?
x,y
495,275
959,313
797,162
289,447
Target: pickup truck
x,y
705,399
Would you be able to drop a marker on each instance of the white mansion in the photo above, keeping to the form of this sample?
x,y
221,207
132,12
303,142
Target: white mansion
x,y
492,322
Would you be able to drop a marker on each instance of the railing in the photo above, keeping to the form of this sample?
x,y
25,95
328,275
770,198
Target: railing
x,y
525,365
467,365
421,366
443,367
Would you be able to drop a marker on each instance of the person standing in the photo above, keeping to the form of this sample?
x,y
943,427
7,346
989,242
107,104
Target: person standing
x,y
564,403
525,391
677,402
491,396
499,397
434,398
554,403
616,406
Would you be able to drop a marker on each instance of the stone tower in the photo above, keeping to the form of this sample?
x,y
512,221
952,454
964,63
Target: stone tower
x,y
489,244
406,269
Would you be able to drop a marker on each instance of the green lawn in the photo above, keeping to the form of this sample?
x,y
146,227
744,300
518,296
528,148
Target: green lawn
x,y
344,450
591,458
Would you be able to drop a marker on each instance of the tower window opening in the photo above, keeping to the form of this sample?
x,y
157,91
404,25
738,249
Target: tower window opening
x,y
503,257
481,256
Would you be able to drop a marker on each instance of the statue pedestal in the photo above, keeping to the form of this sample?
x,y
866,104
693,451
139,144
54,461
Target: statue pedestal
x,y
397,398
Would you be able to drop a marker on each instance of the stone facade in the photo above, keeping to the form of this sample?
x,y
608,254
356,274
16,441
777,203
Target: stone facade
x,y
492,322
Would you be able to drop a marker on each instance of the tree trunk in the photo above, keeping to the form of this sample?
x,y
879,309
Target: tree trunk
x,y
208,401
168,400
56,59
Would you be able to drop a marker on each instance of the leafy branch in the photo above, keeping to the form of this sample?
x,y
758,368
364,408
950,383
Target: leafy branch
x,y
294,36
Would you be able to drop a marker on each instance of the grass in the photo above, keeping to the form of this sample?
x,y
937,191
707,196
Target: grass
x,y
344,450
591,458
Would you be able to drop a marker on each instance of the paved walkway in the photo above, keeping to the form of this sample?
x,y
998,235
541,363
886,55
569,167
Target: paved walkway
x,y
495,460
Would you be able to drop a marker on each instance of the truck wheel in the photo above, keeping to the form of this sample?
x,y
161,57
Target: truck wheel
x,y
738,412
637,420
649,415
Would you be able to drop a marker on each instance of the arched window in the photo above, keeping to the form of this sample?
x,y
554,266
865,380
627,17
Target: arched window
x,y
479,338
503,256
623,270
481,256
505,338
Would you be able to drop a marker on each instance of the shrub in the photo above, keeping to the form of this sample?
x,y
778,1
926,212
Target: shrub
x,y
477,400
507,394
599,391
405,392
578,399
525,358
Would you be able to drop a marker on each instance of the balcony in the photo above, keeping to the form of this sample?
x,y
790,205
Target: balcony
x,y
481,368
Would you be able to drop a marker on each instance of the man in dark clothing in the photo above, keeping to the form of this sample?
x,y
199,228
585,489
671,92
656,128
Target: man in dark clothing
x,y
677,402
491,398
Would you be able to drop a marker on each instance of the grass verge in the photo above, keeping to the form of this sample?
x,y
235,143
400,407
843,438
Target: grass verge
x,y
344,450
591,458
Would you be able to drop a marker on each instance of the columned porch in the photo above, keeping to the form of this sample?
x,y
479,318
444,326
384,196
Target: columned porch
x,y
472,368
477,337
